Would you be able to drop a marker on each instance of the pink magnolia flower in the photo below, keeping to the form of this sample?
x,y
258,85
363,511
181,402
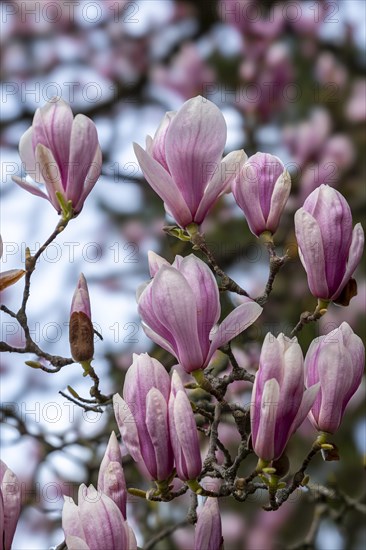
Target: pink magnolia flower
x,y
183,432
208,532
183,162
181,306
95,522
62,153
10,504
261,190
329,249
279,404
337,361
142,415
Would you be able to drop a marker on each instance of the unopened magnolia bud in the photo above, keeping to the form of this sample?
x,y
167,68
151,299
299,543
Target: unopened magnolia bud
x,y
81,331
81,336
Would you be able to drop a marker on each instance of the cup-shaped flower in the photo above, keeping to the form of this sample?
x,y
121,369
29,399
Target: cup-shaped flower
x,y
81,331
11,276
329,249
337,361
183,162
10,504
95,522
111,478
62,153
183,432
279,403
181,306
142,415
261,190
208,532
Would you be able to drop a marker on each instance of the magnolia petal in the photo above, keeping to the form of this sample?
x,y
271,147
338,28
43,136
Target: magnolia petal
x,y
194,143
92,176
228,169
30,187
155,262
238,320
164,186
310,243
264,443
246,194
83,148
157,426
50,173
175,306
127,427
308,399
279,198
26,153
354,257
186,430
75,543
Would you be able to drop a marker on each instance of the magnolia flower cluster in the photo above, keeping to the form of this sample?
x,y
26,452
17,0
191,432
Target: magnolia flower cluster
x,y
156,421
180,312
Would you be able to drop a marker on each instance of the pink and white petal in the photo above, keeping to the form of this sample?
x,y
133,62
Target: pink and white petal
x,y
228,169
310,243
264,444
306,403
127,427
194,144
164,186
71,523
30,187
91,178
354,256
26,153
52,128
246,193
279,198
155,262
50,173
185,426
132,542
83,148
157,427
146,309
10,277
155,337
203,284
157,150
175,306
238,320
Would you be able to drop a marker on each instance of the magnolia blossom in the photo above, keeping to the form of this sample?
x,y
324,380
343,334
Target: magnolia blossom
x,y
208,532
329,249
279,404
142,415
337,361
261,190
111,479
11,276
183,162
95,522
10,504
62,153
81,331
181,307
183,432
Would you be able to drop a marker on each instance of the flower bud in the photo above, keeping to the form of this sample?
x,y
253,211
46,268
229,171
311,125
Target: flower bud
x,y
111,479
81,331
183,432
8,278
337,361
142,415
208,533
10,504
279,403
261,191
329,250
62,153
